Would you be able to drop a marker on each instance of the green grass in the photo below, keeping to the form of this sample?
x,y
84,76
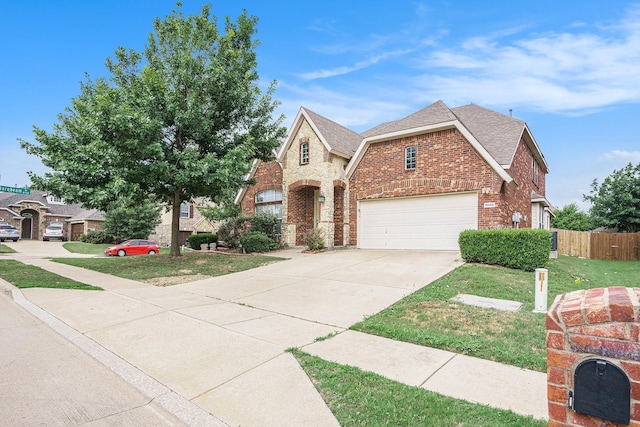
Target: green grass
x,y
428,317
29,276
85,248
360,398
4,249
165,270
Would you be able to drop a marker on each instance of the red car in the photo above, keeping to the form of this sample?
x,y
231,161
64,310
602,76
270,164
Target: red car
x,y
133,247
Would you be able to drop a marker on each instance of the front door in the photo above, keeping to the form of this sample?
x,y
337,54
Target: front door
x,y
26,228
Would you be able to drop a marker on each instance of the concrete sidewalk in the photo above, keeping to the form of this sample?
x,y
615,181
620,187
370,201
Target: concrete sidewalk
x,y
219,343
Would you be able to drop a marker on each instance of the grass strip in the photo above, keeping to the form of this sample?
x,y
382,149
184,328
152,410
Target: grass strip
x,y
182,269
29,276
360,398
85,248
4,249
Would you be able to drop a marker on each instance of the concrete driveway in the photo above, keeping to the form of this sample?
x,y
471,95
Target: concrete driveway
x,y
219,342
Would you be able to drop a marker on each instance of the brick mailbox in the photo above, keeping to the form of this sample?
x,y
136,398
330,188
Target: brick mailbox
x,y
593,358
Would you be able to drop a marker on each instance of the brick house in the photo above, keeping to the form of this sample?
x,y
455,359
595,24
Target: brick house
x,y
32,213
413,183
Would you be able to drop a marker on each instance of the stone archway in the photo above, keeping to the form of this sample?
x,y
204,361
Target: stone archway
x,y
30,225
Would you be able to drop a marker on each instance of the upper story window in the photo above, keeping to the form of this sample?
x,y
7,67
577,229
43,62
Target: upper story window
x,y
185,211
55,200
534,167
304,153
269,196
410,158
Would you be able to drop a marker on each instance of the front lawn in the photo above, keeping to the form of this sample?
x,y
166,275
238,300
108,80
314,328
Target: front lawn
x,y
429,318
163,270
29,276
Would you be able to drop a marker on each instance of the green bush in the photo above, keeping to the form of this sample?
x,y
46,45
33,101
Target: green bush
x,y
265,222
196,240
521,249
96,237
314,239
232,229
257,241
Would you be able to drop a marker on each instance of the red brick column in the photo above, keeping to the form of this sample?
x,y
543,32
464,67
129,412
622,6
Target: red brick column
x,y
601,323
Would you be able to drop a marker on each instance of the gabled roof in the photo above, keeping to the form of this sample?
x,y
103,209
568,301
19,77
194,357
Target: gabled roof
x,y
10,201
431,115
92,214
336,138
498,133
435,117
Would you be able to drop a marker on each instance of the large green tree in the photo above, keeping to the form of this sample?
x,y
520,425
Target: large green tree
x,y
571,217
183,119
615,203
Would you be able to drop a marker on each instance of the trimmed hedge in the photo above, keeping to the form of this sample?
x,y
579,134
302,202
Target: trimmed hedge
x,y
257,241
521,249
96,237
196,240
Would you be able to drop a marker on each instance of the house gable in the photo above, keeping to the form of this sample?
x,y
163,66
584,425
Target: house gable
x,y
436,117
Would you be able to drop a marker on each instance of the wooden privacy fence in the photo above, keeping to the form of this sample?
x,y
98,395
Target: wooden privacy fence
x,y
586,244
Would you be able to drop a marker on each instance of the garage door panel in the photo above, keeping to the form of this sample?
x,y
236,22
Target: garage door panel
x,y
430,222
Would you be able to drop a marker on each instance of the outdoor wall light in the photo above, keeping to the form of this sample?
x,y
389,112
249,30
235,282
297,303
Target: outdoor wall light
x,y
321,198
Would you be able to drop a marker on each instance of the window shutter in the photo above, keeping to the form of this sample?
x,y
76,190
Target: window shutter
x,y
190,211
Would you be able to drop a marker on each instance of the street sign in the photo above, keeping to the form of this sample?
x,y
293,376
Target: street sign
x,y
17,190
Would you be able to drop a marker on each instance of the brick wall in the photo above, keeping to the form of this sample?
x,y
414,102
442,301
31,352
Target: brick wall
x,y
518,199
268,176
601,323
446,163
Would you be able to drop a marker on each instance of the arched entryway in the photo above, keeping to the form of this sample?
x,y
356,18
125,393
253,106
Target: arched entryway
x,y
30,224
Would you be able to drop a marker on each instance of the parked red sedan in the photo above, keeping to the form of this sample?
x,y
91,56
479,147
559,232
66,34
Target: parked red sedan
x,y
133,247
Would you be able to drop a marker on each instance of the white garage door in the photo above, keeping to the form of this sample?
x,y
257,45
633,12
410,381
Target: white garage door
x,y
428,222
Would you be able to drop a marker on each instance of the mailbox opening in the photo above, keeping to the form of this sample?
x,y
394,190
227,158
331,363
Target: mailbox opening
x,y
602,389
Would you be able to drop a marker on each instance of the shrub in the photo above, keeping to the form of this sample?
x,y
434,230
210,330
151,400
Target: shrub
x,y
232,229
96,237
314,239
521,249
265,222
257,241
196,240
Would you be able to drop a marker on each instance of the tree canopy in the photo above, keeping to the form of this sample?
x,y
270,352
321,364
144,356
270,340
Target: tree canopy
x,y
126,221
571,217
615,203
183,119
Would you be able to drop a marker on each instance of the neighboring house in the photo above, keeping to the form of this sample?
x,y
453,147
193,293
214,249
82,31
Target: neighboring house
x,y
413,183
32,213
191,222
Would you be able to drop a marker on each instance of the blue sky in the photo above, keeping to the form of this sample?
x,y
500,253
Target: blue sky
x,y
570,69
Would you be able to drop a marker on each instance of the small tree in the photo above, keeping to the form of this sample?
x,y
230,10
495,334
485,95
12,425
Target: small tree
x,y
131,220
615,203
571,217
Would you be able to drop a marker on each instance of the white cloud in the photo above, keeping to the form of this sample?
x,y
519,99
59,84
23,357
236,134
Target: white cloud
x,y
321,74
624,156
554,72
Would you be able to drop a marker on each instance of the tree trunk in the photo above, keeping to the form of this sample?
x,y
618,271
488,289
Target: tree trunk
x,y
175,224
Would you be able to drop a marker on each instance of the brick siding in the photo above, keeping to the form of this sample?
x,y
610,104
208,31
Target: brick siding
x,y
584,324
